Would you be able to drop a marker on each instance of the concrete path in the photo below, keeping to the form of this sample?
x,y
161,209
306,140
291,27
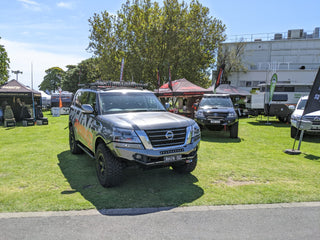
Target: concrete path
x,y
266,221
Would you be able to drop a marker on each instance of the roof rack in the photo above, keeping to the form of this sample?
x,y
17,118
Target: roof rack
x,y
112,84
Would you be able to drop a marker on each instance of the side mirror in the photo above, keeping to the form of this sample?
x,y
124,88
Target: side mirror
x,y
291,107
87,109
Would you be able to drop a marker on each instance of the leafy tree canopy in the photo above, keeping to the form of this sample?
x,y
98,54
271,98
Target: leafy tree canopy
x,y
149,37
85,72
4,65
52,79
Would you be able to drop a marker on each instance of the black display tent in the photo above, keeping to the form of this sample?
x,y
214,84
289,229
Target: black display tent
x,y
14,93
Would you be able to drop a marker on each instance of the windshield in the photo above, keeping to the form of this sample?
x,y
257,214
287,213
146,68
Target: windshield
x,y
302,104
118,102
216,102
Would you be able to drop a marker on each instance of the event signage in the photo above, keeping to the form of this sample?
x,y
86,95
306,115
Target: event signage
x,y
273,82
313,103
218,81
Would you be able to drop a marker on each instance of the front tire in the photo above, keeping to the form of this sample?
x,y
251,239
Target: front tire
x,y
186,167
109,169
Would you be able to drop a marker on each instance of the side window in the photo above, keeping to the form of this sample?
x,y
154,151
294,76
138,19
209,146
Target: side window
x,y
81,98
92,100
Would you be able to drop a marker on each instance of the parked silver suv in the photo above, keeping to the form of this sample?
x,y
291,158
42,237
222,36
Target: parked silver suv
x,y
296,116
119,125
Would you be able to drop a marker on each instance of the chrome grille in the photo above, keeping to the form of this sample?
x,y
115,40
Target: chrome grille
x,y
314,120
216,115
158,137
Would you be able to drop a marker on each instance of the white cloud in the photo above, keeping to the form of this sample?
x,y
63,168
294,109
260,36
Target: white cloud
x,y
23,55
31,5
29,2
67,5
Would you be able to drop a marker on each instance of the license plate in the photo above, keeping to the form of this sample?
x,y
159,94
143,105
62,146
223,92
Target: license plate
x,y
215,121
172,158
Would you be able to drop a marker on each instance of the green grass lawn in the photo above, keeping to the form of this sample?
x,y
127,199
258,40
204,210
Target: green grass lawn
x,y
38,173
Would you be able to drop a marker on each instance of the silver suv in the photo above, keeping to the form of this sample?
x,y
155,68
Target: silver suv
x,y
296,116
119,124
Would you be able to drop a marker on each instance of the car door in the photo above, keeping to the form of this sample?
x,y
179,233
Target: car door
x,y
80,119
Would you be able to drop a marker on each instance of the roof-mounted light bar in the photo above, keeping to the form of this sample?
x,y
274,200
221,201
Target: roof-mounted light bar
x,y
112,84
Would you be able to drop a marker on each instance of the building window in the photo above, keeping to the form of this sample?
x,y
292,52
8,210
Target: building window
x,y
242,83
255,83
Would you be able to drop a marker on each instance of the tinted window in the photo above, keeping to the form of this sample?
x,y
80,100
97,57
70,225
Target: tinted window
x,y
216,102
81,98
116,102
92,100
280,97
302,104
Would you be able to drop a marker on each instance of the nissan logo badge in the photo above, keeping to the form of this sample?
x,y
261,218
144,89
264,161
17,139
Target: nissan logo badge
x,y
169,135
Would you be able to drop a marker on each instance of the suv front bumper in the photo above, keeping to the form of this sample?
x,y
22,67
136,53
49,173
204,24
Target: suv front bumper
x,y
156,157
217,122
314,126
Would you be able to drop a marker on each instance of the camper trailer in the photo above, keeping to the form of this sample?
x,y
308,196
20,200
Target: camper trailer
x,y
66,99
284,99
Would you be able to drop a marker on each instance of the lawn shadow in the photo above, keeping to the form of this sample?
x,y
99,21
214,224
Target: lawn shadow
x,y
273,123
312,157
158,189
218,136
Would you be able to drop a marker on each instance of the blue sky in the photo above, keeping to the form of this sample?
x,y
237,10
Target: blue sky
x,y
47,33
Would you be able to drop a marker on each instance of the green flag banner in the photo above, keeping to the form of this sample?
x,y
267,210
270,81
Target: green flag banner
x,y
273,83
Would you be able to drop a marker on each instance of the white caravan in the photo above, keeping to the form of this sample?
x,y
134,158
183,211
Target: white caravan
x,y
284,99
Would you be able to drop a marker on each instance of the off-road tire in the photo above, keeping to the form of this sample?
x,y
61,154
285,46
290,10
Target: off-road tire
x,y
109,169
74,148
186,167
234,130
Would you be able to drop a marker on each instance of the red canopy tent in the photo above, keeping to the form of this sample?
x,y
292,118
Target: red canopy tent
x,y
181,88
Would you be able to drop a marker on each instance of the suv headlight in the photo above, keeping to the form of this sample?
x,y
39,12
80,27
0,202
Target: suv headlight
x,y
125,135
295,117
199,114
195,133
232,114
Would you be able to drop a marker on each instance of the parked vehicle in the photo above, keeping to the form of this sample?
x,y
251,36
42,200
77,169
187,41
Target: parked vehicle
x,y
284,100
120,125
296,116
216,112
66,100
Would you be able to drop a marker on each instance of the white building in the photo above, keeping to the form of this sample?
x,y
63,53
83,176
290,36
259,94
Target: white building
x,y
294,56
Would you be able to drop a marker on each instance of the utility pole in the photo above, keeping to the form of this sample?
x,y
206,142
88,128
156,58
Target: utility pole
x,y
17,72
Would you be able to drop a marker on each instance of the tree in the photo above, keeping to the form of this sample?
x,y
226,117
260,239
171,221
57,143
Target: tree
x,y
52,81
85,72
4,65
231,56
149,37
